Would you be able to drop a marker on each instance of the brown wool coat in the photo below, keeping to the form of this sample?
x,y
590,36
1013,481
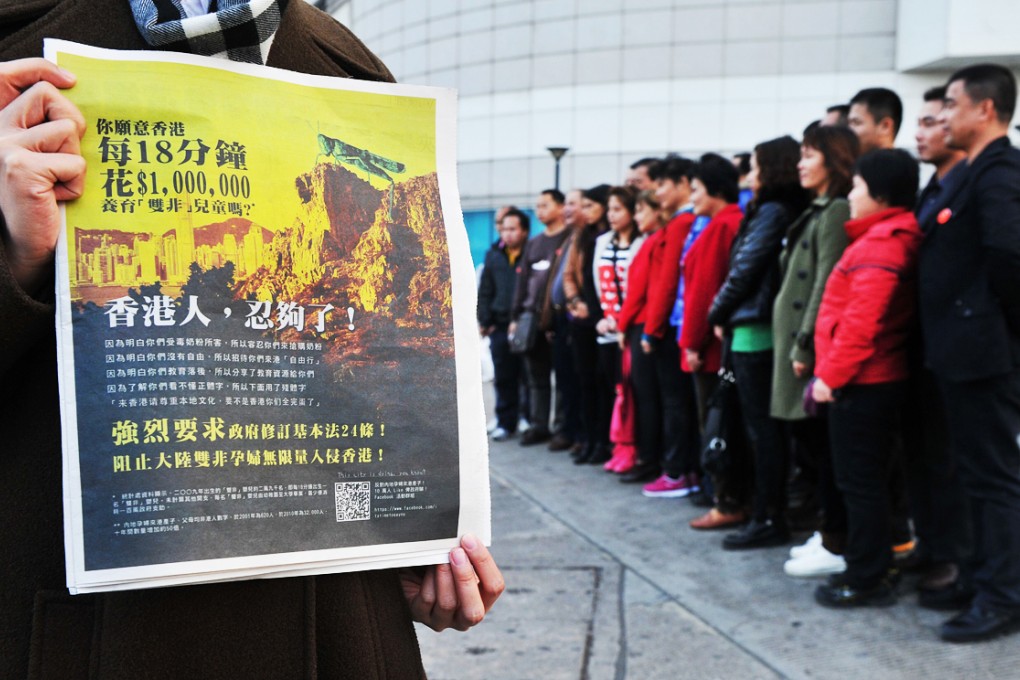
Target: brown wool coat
x,y
355,626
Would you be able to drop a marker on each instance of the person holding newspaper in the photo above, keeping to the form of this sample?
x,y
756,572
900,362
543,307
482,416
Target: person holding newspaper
x,y
355,625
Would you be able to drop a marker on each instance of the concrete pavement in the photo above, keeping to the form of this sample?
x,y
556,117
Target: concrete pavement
x,y
605,584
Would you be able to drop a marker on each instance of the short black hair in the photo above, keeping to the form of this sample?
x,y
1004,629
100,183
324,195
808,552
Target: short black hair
x,y
643,163
842,109
881,102
673,168
935,94
554,194
520,215
743,162
719,176
990,81
891,176
811,127
599,194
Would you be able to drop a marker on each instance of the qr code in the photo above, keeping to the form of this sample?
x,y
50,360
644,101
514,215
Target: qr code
x,y
353,501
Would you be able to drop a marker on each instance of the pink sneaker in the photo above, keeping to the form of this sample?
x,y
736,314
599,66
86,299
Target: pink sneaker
x,y
667,487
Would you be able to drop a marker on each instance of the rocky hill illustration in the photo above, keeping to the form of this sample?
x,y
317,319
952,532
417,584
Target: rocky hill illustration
x,y
345,250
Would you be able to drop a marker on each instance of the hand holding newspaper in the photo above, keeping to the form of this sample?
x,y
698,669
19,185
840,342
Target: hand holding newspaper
x,y
268,355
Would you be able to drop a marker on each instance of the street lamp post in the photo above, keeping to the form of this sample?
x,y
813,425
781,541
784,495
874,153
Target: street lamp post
x,y
557,153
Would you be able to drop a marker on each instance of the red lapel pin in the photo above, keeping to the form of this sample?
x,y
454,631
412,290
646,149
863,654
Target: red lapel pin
x,y
944,216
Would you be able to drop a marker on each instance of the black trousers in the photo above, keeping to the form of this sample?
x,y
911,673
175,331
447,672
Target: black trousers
x,y
771,456
984,426
810,439
665,407
862,425
938,500
507,367
567,420
592,381
610,371
538,365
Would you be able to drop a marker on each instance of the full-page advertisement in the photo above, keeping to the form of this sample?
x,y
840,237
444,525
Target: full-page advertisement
x,y
268,355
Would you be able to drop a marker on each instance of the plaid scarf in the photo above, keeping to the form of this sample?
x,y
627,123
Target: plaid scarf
x,y
236,29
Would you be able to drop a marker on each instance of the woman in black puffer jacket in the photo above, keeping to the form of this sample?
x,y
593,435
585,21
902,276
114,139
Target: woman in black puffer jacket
x,y
743,310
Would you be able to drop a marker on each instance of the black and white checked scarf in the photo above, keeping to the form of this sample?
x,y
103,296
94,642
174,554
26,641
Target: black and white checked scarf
x,y
240,30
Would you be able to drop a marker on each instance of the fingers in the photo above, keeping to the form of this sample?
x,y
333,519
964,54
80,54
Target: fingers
x,y
40,103
40,162
490,579
444,611
460,593
425,597
58,136
20,74
470,609
43,157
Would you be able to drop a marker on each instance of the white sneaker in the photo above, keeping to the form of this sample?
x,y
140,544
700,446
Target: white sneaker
x,y
810,546
501,435
523,425
818,563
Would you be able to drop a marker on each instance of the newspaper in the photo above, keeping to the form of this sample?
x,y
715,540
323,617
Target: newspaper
x,y
267,351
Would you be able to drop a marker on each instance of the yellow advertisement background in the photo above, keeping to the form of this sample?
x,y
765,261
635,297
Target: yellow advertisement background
x,y
277,122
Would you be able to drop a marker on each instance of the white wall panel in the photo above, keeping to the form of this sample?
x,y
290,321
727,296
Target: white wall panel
x,y
618,79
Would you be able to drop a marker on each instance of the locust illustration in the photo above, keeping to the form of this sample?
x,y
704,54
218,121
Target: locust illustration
x,y
372,163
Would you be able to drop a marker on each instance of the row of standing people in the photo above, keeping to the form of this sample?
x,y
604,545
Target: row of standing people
x,y
809,295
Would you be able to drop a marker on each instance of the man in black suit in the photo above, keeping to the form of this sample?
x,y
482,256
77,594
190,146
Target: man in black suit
x,y
938,501
970,314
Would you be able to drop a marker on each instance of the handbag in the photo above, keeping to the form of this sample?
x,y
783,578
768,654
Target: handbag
x,y
813,408
723,433
524,335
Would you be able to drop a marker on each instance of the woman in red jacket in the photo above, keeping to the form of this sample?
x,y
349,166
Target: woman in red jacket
x,y
655,368
861,337
705,264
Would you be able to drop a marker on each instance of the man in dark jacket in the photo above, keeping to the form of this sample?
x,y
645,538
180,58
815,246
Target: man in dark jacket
x,y
970,313
495,300
540,258
938,501
331,626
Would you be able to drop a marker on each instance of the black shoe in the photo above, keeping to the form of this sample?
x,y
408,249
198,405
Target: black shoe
x,y
601,455
535,436
954,597
939,576
587,451
757,534
978,623
581,452
916,562
701,499
837,594
641,472
560,442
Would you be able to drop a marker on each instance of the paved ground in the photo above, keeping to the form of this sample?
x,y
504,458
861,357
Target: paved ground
x,y
605,584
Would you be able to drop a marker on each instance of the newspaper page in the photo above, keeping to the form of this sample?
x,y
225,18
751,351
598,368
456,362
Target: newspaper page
x,y
267,350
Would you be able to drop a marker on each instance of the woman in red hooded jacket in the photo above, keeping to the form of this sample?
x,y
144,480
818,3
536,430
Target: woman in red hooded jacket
x,y
861,367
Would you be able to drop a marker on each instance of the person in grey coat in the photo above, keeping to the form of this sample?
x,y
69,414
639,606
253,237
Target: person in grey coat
x,y
813,244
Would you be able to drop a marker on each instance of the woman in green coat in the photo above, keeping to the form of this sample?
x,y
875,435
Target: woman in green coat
x,y
813,244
